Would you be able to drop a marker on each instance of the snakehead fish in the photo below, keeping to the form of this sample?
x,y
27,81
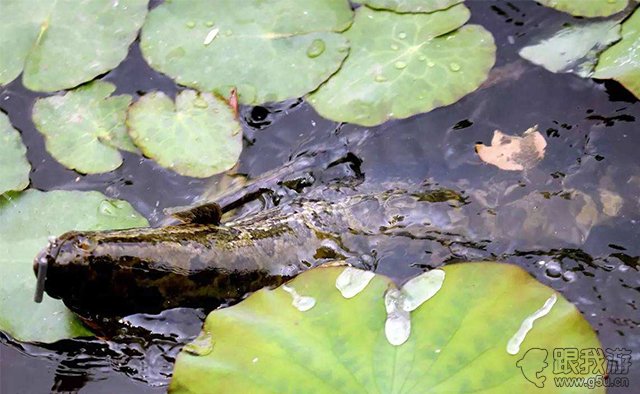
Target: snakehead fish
x,y
202,263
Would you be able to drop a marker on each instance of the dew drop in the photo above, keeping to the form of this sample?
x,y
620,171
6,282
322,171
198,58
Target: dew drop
x,y
422,58
400,65
380,78
394,47
191,24
209,23
454,66
402,35
316,48
110,207
397,327
352,281
211,36
301,303
431,64
201,346
421,288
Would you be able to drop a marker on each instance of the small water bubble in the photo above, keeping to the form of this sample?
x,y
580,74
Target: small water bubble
x,y
454,67
569,276
301,303
402,35
191,24
110,207
394,47
380,78
553,269
422,58
209,23
201,346
430,64
316,48
400,65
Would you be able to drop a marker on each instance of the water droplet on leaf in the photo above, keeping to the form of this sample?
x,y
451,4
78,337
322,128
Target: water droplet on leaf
x,y
201,346
191,24
402,35
454,67
316,48
400,65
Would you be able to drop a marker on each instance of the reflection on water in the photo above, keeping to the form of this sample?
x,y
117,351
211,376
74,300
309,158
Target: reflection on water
x,y
571,221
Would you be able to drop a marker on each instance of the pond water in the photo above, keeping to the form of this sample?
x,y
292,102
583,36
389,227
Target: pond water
x,y
572,221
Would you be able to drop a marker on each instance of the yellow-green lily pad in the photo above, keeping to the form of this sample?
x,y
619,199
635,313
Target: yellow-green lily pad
x,y
587,8
404,64
270,50
27,220
622,61
61,44
85,127
410,5
467,327
14,167
198,136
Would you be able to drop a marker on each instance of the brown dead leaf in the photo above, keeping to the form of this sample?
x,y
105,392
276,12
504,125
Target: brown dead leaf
x,y
513,153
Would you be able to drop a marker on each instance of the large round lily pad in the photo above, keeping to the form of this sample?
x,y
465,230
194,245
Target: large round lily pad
x,y
14,167
269,50
85,127
472,333
410,5
198,136
61,44
588,8
412,64
622,61
27,220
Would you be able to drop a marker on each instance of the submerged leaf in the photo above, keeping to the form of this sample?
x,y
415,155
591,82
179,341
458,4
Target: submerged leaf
x,y
61,44
513,153
14,167
622,61
27,220
475,331
410,5
412,64
269,50
198,136
588,8
575,48
85,127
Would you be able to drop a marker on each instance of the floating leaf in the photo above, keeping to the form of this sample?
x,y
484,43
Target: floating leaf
x,y
14,167
27,219
622,61
461,338
588,8
575,48
61,44
84,128
270,50
513,153
410,65
410,5
197,136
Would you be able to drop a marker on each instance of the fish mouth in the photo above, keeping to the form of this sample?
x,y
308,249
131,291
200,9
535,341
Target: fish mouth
x,y
41,265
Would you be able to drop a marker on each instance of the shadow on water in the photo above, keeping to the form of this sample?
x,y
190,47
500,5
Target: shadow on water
x,y
572,221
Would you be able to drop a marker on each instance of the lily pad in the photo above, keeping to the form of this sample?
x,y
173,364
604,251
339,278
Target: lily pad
x,y
412,64
61,44
622,61
27,220
588,8
198,136
476,330
574,49
269,50
84,128
411,5
14,167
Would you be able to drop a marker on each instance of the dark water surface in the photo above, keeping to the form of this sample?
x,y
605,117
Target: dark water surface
x,y
572,221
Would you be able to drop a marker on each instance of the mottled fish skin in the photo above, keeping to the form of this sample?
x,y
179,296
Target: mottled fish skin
x,y
201,265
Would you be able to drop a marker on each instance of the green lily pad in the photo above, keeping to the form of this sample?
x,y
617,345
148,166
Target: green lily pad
x,y
84,128
61,44
198,136
468,328
411,5
588,8
14,167
412,64
574,49
27,220
270,50
622,61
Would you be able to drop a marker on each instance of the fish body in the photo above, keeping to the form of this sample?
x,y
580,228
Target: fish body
x,y
198,264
